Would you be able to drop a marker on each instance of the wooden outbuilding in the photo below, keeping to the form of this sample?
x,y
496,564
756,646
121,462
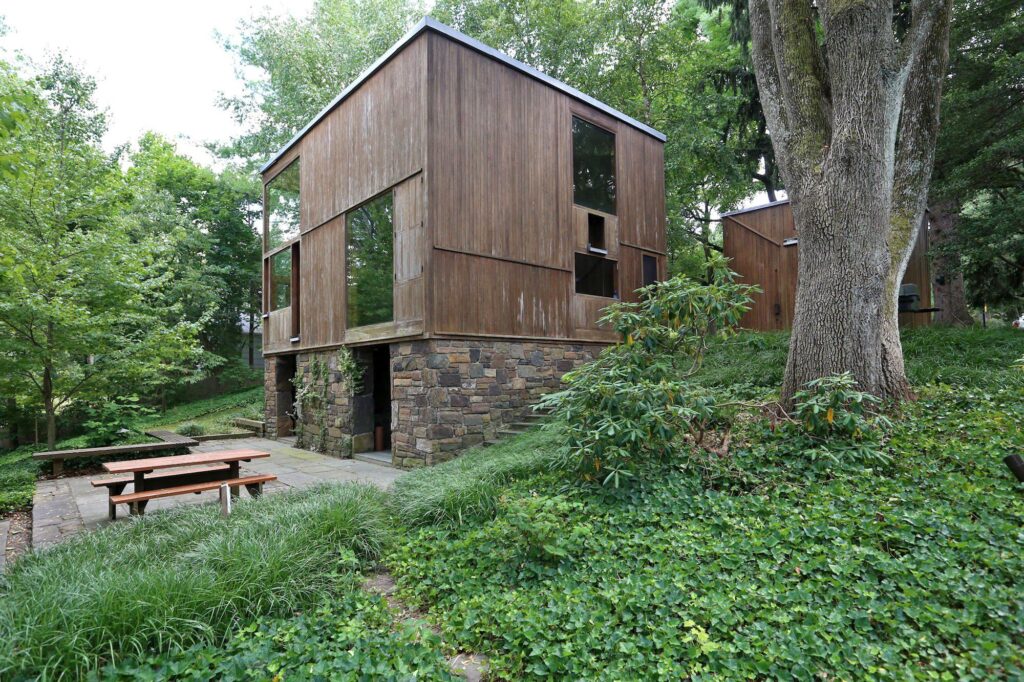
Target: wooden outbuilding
x,y
762,245
459,220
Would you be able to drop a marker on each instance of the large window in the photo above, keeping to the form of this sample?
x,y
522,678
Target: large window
x,y
369,242
593,166
283,206
281,279
595,276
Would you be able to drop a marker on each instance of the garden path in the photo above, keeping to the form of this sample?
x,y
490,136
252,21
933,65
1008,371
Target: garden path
x,y
65,506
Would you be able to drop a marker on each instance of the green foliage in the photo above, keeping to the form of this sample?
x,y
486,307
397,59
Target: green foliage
x,y
469,487
351,637
18,478
633,403
111,421
190,429
835,420
169,580
911,572
213,413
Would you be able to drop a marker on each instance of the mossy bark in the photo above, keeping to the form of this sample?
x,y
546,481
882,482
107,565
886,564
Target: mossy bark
x,y
854,136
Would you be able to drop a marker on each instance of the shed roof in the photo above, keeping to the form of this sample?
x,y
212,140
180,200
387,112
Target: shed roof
x,y
759,207
431,24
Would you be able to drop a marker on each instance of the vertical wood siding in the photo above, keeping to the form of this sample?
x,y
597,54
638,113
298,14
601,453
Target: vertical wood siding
x,y
753,241
322,284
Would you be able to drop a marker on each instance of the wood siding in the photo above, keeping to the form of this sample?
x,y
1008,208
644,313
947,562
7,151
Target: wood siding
x,y
479,156
753,240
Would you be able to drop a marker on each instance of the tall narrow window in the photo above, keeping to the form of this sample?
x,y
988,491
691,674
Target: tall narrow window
x,y
369,240
281,279
283,207
650,270
593,166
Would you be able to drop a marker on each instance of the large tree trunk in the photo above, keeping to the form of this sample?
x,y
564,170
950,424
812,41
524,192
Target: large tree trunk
x,y
50,408
950,296
854,137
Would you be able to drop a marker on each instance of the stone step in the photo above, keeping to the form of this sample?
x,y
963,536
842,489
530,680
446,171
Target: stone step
x,y
381,458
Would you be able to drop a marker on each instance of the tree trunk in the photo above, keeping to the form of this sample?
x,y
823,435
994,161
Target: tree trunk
x,y
51,410
854,138
948,280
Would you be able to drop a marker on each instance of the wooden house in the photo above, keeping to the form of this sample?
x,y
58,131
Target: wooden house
x,y
762,244
457,220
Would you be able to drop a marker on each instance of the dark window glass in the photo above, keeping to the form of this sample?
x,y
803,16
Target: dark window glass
x,y
595,276
283,206
595,231
650,270
281,279
593,166
369,237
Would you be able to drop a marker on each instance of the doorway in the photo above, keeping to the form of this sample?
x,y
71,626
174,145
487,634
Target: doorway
x,y
371,408
284,395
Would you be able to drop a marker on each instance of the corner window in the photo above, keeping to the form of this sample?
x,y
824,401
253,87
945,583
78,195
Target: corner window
x,y
593,166
281,279
650,270
282,207
595,276
369,259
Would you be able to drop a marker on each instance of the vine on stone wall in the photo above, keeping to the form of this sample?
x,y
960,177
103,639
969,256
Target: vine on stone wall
x,y
312,388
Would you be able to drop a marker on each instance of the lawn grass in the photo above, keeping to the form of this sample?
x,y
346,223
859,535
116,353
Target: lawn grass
x,y
170,580
214,414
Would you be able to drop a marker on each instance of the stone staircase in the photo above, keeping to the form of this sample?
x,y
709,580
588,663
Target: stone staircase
x,y
522,424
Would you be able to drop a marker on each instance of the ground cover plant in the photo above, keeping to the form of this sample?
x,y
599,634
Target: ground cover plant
x,y
17,478
781,565
167,581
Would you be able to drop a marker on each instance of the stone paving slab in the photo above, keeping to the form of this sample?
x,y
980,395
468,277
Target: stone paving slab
x,y
4,527
67,506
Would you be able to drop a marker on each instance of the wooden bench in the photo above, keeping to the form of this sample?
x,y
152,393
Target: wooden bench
x,y
158,477
137,501
169,442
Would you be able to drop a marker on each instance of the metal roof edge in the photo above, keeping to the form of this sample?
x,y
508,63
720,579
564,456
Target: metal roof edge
x,y
429,23
751,209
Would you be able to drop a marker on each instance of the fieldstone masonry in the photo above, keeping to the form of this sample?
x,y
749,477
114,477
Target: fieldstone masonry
x,y
446,394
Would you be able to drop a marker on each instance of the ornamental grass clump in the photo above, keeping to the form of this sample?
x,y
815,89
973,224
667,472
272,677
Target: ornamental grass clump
x,y
634,401
169,580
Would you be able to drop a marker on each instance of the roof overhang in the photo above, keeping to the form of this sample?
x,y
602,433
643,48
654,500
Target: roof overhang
x,y
430,24
751,209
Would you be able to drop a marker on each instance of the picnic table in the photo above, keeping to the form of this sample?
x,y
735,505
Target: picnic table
x,y
158,477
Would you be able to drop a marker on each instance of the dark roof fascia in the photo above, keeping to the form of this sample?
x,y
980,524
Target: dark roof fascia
x,y
751,209
430,24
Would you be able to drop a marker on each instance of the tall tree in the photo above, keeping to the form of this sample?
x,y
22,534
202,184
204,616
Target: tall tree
x,y
979,166
303,63
79,302
852,103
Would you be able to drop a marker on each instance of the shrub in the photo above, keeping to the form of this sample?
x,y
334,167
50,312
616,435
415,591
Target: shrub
x,y
112,421
170,580
190,429
835,419
630,405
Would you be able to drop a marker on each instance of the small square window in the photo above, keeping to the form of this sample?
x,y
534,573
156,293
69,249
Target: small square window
x,y
595,276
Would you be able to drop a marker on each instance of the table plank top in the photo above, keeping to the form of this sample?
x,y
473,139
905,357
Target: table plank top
x,y
153,463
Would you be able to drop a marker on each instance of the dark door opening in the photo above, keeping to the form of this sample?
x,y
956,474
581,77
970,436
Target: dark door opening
x,y
284,394
371,414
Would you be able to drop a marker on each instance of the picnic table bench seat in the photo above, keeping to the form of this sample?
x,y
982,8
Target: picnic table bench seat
x,y
137,501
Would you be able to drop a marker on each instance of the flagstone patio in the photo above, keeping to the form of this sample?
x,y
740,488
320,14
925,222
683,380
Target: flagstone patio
x,y
65,506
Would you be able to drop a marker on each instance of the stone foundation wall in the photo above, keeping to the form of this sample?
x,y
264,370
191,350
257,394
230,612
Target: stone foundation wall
x,y
325,414
449,395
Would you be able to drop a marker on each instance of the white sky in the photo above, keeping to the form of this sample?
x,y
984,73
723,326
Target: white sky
x,y
158,65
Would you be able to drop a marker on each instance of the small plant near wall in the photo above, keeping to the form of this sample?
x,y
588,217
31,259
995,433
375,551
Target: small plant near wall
x,y
634,401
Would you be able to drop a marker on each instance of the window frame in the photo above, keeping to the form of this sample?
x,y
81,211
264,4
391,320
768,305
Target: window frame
x,y
605,127
287,164
390,191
